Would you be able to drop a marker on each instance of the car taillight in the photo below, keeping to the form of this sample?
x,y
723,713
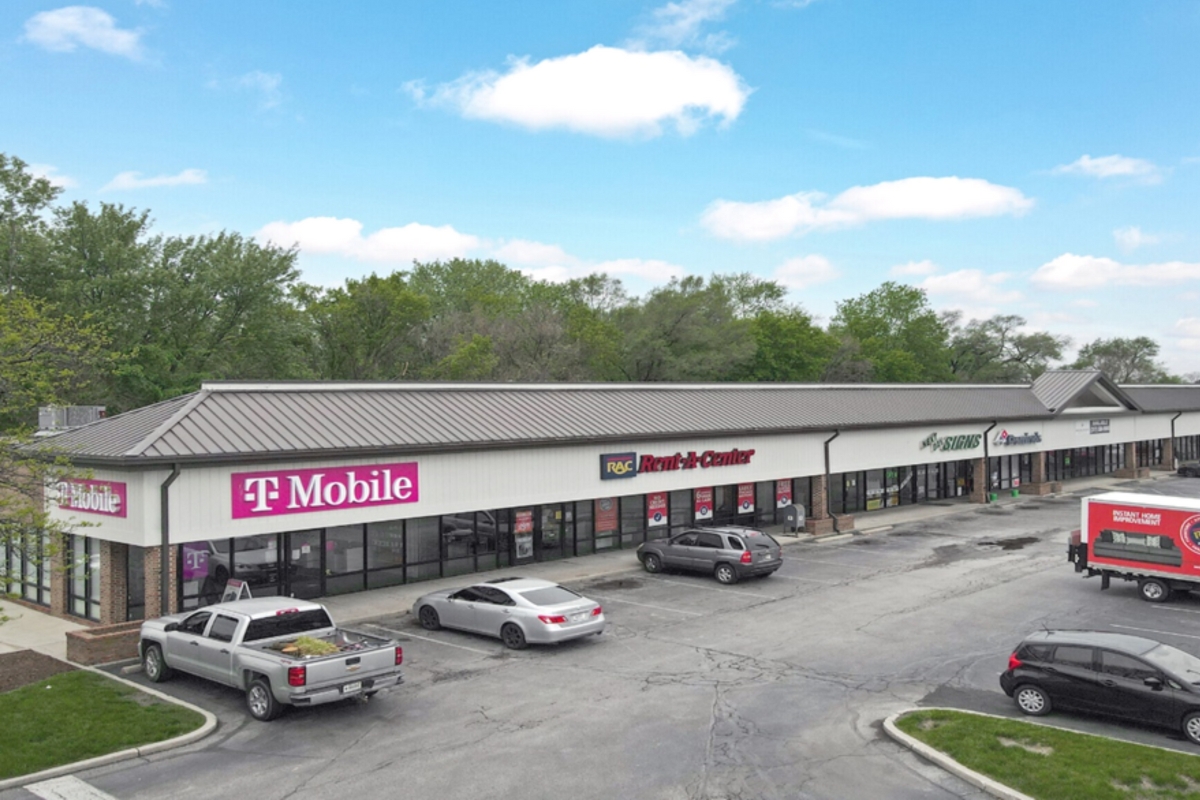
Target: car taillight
x,y
557,619
399,655
597,611
297,676
746,557
1014,662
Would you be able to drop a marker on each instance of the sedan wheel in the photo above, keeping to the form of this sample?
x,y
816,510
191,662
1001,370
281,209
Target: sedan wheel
x,y
652,563
513,637
1191,727
725,574
429,618
1032,701
1153,590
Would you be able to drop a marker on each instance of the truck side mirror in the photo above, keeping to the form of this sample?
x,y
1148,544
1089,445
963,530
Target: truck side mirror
x,y
171,626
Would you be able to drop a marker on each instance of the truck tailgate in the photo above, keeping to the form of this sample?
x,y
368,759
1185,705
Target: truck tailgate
x,y
352,666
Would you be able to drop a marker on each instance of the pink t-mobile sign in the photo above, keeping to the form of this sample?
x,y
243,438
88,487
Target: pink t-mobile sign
x,y
296,491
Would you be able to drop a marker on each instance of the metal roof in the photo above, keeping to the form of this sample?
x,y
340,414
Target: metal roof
x,y
1165,397
1056,388
245,421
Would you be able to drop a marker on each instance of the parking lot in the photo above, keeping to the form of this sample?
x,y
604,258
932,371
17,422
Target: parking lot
x,y
769,688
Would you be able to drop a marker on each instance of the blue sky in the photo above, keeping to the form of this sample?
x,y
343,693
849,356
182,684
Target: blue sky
x,y
1031,158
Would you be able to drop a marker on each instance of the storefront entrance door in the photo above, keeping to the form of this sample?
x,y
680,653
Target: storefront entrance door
x,y
304,570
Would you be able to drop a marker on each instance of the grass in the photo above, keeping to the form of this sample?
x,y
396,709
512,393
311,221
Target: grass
x,y
1051,764
78,715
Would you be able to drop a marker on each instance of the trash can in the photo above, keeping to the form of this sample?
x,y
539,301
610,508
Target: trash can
x,y
992,497
1016,492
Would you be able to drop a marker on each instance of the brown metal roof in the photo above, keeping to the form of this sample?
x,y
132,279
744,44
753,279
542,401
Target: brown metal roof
x,y
243,421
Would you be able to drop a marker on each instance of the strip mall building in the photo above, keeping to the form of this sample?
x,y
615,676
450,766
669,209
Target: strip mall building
x,y
313,489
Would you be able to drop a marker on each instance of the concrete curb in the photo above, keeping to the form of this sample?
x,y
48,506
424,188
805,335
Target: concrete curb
x,y
994,788
210,724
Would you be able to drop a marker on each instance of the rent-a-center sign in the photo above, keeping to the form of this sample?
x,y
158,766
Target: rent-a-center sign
x,y
297,491
627,465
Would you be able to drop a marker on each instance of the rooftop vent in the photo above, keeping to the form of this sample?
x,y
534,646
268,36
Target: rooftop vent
x,y
52,419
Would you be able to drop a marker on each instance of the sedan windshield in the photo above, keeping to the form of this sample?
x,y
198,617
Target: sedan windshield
x,y
550,596
1182,664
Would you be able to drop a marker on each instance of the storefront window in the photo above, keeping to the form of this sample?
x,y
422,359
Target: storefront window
x,y
23,567
83,577
584,529
345,559
135,582
802,494
764,503
385,553
633,520
424,548
682,508
837,493
608,522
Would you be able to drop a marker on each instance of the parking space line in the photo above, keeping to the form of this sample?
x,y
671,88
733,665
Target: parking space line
x,y
435,641
645,605
66,788
717,589
1176,610
1151,630
778,577
830,563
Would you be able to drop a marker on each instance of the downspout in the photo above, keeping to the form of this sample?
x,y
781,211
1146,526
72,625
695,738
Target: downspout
x,y
164,584
987,468
1174,459
828,491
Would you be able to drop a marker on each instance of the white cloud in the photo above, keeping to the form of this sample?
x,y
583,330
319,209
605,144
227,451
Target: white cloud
x,y
844,142
65,29
605,91
134,180
925,267
527,253
399,245
1133,237
1113,166
265,84
971,286
1084,303
1189,327
50,173
649,269
679,24
909,198
805,271
1070,271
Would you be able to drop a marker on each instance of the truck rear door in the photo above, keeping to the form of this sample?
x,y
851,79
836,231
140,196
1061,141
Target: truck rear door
x,y
214,655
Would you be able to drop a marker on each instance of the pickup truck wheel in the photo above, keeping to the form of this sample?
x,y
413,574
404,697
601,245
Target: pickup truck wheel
x,y
1032,700
1191,727
652,563
154,665
1153,590
261,702
429,618
513,637
725,574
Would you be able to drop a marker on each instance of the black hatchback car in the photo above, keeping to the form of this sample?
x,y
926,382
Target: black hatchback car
x,y
1130,677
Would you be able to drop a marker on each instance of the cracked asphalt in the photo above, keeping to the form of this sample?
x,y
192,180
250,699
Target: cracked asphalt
x,y
771,688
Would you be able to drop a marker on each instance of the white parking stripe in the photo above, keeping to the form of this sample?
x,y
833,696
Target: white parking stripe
x,y
644,605
1151,630
66,788
716,589
778,577
830,563
1176,610
435,641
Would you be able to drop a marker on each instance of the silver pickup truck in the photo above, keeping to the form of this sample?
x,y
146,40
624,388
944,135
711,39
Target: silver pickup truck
x,y
252,645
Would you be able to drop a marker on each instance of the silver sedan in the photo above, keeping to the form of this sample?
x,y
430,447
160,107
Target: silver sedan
x,y
518,611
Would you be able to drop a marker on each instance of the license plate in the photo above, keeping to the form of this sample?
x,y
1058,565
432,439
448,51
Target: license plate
x,y
578,617
767,557
351,687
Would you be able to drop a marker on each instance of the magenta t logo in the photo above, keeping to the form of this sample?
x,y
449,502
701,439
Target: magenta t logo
x,y
296,491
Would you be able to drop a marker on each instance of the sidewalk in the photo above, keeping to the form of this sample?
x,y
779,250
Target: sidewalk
x,y
27,629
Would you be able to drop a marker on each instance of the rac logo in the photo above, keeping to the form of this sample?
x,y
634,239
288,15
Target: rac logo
x,y
618,465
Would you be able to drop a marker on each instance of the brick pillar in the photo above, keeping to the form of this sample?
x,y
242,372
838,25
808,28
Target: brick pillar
x,y
1038,484
979,477
60,575
113,582
1168,454
153,560
1131,468
820,498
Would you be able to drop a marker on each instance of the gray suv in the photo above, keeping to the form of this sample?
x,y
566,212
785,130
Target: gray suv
x,y
728,554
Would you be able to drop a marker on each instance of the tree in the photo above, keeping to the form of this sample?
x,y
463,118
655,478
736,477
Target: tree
x,y
45,358
1125,360
685,331
996,351
23,199
897,332
789,347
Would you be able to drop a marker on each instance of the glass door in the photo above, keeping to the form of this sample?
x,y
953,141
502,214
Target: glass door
x,y
304,564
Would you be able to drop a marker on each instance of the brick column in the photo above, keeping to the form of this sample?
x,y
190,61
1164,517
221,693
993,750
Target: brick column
x,y
1131,469
1038,484
153,560
60,575
820,498
1168,454
979,477
113,582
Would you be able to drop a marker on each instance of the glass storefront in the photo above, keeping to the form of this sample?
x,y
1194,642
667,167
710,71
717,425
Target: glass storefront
x,y
27,576
874,489
1082,462
1187,448
83,577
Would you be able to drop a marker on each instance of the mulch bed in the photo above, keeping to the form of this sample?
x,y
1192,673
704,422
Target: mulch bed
x,y
26,666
